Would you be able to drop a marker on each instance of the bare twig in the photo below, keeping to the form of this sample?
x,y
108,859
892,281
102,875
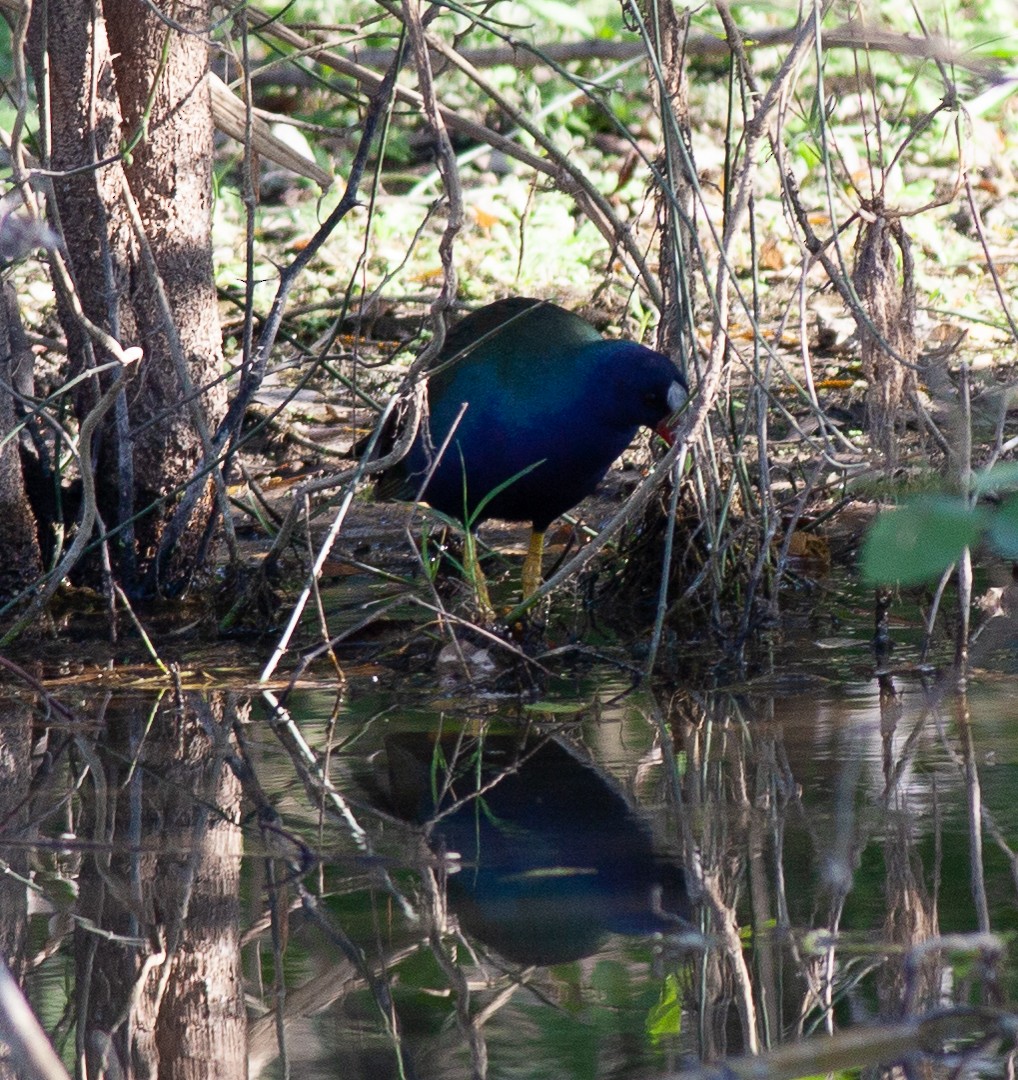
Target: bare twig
x,y
223,444
523,55
88,501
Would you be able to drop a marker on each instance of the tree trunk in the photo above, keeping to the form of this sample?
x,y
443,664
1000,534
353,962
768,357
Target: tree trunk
x,y
21,564
170,174
164,996
119,76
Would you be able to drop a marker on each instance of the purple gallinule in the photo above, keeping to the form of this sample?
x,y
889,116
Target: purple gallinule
x,y
544,406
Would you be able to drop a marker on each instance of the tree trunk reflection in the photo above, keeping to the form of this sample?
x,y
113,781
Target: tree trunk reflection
x,y
158,959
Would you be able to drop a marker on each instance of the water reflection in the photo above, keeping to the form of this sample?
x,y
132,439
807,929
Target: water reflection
x,y
841,844
552,856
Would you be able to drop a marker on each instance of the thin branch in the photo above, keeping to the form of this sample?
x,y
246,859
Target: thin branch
x,y
524,56
88,500
223,444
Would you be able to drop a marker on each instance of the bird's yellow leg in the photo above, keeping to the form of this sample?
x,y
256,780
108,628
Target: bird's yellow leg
x,y
475,575
532,564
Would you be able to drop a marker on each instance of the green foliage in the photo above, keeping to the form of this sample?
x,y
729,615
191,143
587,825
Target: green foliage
x,y
918,540
665,1018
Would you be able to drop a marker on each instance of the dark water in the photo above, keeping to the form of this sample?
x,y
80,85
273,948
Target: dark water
x,y
393,878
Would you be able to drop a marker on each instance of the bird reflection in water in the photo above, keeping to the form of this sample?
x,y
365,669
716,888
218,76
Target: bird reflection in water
x,y
552,857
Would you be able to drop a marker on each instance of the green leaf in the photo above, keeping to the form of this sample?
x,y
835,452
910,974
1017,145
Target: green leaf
x,y
808,153
665,1018
1003,532
919,540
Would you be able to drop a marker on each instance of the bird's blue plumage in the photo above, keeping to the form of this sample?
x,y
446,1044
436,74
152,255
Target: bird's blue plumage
x,y
543,392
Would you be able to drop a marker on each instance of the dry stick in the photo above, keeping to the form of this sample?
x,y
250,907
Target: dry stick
x,y
322,616
316,569
563,172
523,55
68,717
666,565
929,622
826,427
440,612
961,653
235,117
378,610
373,81
315,780
557,104
469,1025
414,407
140,629
18,89
250,202
1002,842
1002,295
596,207
801,501
974,802
299,502
224,441
836,1054
479,789
1005,297
837,272
88,502
769,520
446,163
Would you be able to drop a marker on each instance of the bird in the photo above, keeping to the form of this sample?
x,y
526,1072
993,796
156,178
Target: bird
x,y
554,854
531,405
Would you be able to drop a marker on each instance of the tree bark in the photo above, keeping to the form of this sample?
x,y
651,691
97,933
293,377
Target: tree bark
x,y
170,175
21,564
119,78
164,997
